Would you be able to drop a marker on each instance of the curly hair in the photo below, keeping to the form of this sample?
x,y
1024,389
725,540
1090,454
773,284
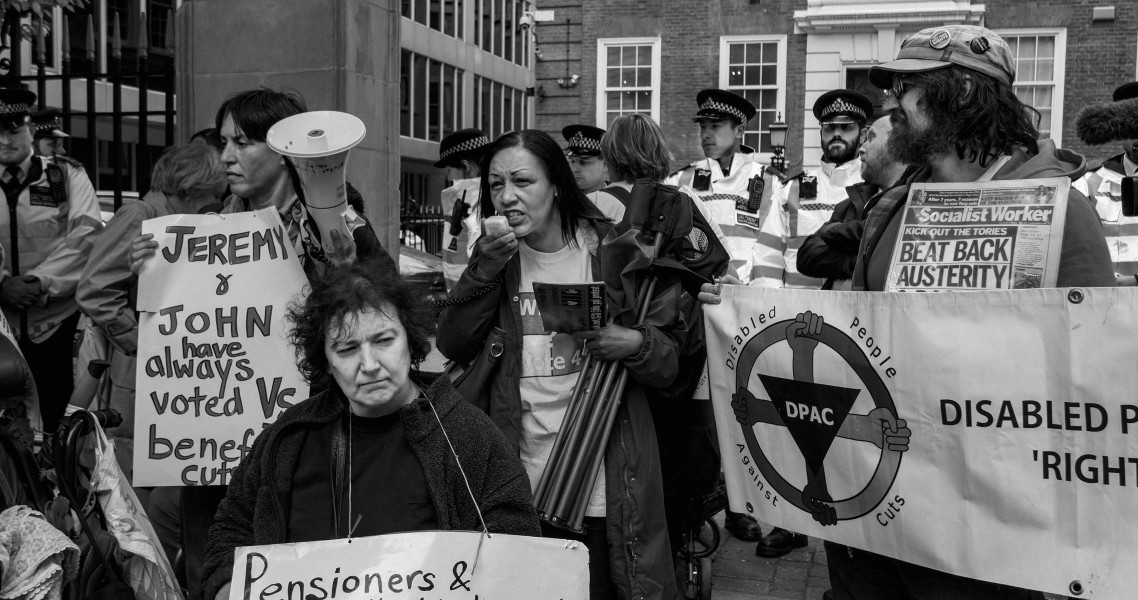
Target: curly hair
x,y
988,117
348,291
634,148
572,203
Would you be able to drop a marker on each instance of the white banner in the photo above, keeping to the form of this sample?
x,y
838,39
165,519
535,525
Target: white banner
x,y
991,434
214,362
440,565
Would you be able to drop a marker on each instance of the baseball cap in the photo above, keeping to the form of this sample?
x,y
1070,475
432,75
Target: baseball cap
x,y
968,46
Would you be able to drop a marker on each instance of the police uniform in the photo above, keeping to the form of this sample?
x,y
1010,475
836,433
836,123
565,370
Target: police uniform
x,y
807,202
737,200
48,123
1103,184
460,202
56,219
584,142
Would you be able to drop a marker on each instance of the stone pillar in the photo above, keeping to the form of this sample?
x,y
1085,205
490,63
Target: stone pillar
x,y
339,54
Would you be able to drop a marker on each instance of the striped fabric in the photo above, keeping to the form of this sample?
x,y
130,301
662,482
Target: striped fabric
x,y
784,230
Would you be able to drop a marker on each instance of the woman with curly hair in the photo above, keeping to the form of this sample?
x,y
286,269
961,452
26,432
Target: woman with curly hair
x,y
386,431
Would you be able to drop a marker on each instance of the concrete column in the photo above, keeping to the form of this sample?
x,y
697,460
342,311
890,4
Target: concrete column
x,y
339,54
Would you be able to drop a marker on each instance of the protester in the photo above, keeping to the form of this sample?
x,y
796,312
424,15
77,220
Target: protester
x,y
804,205
45,250
584,154
360,336
460,153
831,251
185,180
555,236
725,181
956,116
634,149
1103,185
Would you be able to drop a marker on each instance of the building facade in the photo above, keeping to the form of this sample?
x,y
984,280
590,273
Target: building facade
x,y
654,56
463,63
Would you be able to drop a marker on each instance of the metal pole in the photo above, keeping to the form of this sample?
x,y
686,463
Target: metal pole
x,y
143,161
116,110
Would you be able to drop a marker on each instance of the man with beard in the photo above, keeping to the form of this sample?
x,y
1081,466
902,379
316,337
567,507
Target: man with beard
x,y
807,202
832,251
956,118
1103,184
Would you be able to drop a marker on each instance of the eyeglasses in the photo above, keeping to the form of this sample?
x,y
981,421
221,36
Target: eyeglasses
x,y
898,88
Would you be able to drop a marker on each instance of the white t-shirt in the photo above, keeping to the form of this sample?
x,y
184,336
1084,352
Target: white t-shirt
x,y
551,362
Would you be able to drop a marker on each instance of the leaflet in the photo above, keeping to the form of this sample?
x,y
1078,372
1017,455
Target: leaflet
x,y
993,235
571,307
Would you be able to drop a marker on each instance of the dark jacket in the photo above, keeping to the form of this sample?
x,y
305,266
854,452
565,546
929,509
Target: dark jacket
x,y
831,252
640,558
1084,260
255,508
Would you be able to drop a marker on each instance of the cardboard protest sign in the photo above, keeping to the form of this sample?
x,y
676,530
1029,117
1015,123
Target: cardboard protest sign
x,y
441,565
988,434
214,363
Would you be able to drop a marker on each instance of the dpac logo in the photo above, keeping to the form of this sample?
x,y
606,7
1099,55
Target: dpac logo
x,y
816,413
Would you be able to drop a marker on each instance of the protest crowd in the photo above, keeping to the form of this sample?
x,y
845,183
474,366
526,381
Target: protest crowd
x,y
504,442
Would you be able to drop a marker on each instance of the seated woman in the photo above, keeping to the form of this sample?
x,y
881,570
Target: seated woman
x,y
185,180
387,431
554,236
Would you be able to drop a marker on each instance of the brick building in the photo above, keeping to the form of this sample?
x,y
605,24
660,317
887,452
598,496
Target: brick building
x,y
653,56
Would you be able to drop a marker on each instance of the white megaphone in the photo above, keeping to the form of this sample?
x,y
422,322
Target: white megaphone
x,y
318,143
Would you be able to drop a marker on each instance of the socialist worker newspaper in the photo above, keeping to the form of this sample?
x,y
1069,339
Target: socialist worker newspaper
x,y
992,235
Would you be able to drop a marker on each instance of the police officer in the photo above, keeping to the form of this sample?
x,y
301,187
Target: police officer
x,y
460,154
1103,184
49,135
48,230
731,184
806,202
584,154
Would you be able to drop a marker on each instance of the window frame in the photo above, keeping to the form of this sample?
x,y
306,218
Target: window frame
x,y
725,43
1058,74
603,44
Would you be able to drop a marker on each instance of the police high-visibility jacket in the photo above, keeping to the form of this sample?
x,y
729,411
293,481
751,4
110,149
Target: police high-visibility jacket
x,y
55,234
804,204
1104,187
737,202
461,229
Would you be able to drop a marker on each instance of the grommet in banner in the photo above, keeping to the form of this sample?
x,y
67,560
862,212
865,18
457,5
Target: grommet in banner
x,y
750,508
1075,296
1076,587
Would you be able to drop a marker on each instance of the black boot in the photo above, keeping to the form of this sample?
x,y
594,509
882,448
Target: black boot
x,y
779,543
743,527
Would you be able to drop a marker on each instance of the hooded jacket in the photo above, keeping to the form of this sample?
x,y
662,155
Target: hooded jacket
x,y
255,509
640,555
1083,260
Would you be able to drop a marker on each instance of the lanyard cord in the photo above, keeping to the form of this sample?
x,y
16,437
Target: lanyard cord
x,y
460,470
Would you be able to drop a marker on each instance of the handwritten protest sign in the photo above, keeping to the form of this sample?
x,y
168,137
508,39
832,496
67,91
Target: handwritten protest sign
x,y
988,434
440,565
992,235
214,363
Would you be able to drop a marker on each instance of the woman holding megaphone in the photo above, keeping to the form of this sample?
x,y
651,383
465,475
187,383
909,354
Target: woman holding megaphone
x,y
260,177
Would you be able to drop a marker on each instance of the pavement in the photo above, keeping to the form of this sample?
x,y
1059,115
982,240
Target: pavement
x,y
737,574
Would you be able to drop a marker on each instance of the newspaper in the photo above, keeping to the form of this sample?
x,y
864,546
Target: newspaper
x,y
571,307
980,236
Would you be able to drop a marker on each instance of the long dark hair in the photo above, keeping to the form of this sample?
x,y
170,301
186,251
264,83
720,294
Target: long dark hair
x,y
572,203
989,118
